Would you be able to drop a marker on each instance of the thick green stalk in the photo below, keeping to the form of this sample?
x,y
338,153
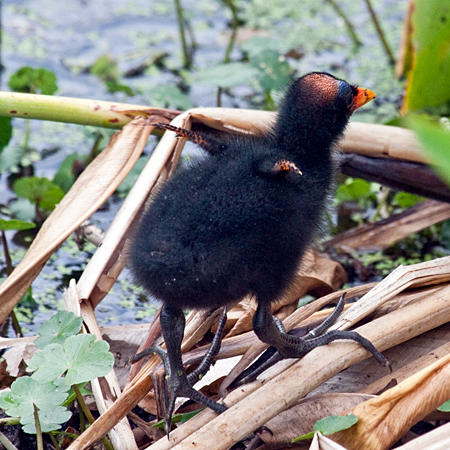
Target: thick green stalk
x,y
350,28
234,29
75,110
88,415
380,33
187,58
54,441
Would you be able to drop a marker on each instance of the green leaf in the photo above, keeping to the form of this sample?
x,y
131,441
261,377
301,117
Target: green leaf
x,y
72,394
65,176
39,189
435,140
114,86
333,424
304,436
275,72
177,418
352,189
259,44
186,416
132,176
14,224
27,301
10,159
429,77
227,75
406,200
445,407
50,420
23,209
170,96
330,425
105,68
58,328
81,359
26,392
33,81
5,131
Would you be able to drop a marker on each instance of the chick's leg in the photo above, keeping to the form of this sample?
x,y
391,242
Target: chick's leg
x,y
271,332
172,325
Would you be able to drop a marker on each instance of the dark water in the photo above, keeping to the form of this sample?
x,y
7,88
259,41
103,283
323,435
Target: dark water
x,y
68,36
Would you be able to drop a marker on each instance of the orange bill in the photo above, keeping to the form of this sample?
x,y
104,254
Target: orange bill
x,y
362,97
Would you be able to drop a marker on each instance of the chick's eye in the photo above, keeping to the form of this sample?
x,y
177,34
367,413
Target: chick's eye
x,y
346,94
349,100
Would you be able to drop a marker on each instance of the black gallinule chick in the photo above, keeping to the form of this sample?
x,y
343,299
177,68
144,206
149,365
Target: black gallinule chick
x,y
237,222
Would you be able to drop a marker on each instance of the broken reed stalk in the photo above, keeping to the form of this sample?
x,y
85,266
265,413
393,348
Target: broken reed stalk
x,y
278,394
89,192
75,110
384,419
103,182
363,138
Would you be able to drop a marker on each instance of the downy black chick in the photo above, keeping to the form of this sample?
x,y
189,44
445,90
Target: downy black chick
x,y
237,222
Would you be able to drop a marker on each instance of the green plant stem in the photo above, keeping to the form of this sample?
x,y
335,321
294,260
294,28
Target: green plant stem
x,y
27,135
219,97
350,28
73,110
234,29
9,267
40,443
7,421
187,59
83,405
15,324
382,202
82,422
55,441
7,443
380,33
89,415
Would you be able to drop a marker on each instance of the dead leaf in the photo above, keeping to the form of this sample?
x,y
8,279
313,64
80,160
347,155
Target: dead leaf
x,y
383,420
92,188
300,419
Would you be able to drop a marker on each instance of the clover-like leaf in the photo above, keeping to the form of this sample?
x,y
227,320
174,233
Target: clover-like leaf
x,y
81,359
26,392
58,328
32,81
50,420
39,189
